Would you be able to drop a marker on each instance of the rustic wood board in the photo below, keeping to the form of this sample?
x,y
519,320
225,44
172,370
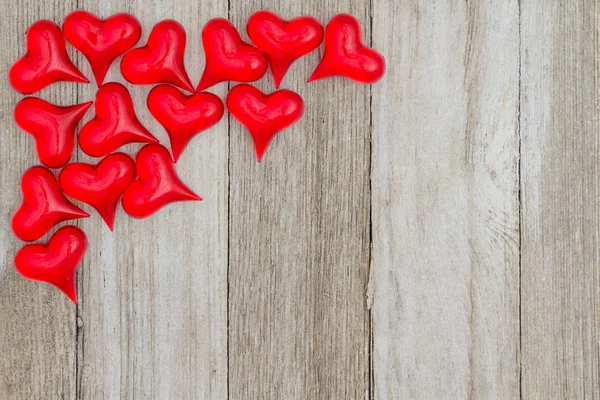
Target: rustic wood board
x,y
445,201
561,200
153,314
435,235
37,322
299,237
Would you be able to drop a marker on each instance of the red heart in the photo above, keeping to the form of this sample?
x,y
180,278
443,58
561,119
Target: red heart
x,y
160,60
46,60
101,40
283,41
183,116
53,128
56,261
43,205
157,184
99,185
264,115
228,57
115,123
345,54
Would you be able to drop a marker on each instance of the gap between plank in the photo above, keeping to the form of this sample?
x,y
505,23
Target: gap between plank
x,y
520,201
368,289
228,216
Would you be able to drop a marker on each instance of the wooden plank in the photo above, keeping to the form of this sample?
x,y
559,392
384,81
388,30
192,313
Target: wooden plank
x,y
445,200
299,236
37,337
153,311
561,200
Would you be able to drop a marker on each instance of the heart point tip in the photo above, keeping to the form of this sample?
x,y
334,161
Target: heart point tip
x,y
81,78
318,73
99,78
176,154
188,86
260,151
190,195
82,108
205,83
70,291
82,214
110,224
75,213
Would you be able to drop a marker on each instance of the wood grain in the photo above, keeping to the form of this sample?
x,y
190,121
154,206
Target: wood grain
x,y
475,158
152,319
37,333
445,201
561,200
299,236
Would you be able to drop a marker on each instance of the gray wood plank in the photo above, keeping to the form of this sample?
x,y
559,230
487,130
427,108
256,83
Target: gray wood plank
x,y
153,310
37,334
445,201
299,236
561,200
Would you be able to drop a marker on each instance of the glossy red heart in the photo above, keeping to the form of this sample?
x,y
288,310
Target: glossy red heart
x,y
53,128
264,115
101,40
228,57
43,205
46,60
346,55
160,60
283,41
115,123
183,116
157,184
56,261
100,185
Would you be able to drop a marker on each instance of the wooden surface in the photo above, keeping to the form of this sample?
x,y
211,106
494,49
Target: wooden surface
x,y
153,310
445,202
37,326
299,241
433,236
560,185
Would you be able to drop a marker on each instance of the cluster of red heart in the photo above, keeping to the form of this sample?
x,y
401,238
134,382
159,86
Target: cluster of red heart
x,y
150,182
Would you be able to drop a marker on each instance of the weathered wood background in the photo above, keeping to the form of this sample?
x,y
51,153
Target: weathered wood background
x,y
435,235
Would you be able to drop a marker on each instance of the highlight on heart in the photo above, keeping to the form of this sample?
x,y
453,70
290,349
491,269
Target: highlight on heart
x,y
148,183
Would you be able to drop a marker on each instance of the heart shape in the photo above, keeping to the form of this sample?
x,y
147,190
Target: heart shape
x,y
43,205
100,185
52,126
283,41
101,40
157,184
183,116
228,57
56,261
264,115
46,60
160,60
346,55
115,123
